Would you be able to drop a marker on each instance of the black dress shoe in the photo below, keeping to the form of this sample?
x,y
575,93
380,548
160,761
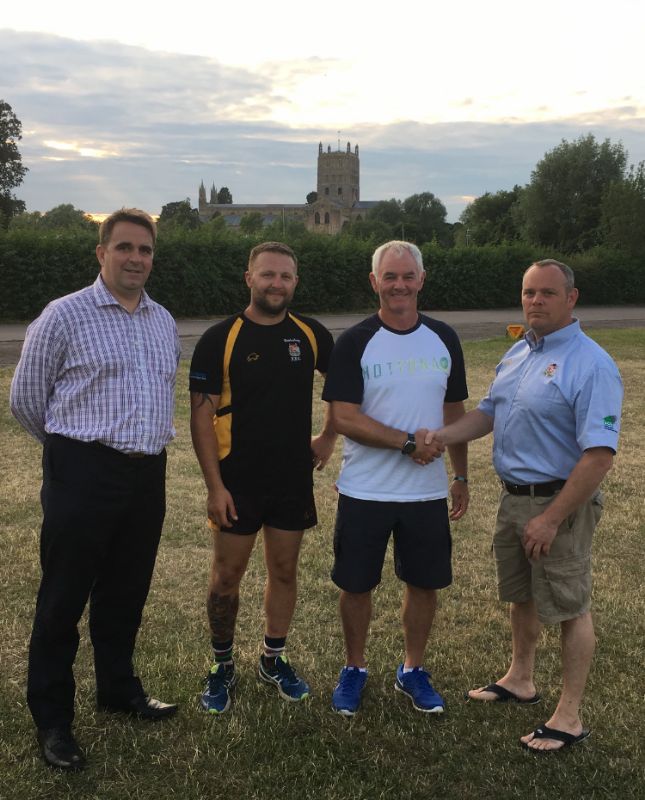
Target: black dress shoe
x,y
60,749
143,707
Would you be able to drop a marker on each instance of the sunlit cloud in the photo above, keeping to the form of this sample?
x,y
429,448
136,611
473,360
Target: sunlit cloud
x,y
107,124
84,152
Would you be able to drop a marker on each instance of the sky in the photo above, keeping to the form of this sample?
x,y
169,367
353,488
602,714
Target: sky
x,y
136,103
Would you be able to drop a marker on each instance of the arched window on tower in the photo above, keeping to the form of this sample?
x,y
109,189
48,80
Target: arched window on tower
x,y
326,189
326,217
316,218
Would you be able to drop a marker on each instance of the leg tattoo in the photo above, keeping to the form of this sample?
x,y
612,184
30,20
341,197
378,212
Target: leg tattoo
x,y
222,614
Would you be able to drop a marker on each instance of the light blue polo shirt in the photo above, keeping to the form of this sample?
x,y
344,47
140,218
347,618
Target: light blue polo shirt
x,y
551,400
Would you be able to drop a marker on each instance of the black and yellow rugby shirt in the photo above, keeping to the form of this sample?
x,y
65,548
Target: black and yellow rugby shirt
x,y
264,376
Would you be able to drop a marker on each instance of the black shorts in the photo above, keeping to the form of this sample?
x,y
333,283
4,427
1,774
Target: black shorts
x,y
287,512
422,543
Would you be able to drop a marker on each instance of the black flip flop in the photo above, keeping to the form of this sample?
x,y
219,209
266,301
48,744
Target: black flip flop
x,y
505,696
568,739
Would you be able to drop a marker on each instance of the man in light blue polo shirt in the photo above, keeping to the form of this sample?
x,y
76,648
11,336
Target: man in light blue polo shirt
x,y
554,409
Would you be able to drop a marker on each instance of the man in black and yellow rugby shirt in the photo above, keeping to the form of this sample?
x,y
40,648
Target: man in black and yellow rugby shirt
x,y
251,382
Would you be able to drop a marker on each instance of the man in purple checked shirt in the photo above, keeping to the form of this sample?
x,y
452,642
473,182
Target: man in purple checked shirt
x,y
95,385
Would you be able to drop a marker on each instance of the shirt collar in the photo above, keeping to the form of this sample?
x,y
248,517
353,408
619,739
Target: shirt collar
x,y
103,296
553,339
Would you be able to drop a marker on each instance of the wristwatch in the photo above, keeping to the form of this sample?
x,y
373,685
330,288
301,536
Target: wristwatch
x,y
410,445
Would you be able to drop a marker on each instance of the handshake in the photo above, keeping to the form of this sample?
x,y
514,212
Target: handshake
x,y
429,446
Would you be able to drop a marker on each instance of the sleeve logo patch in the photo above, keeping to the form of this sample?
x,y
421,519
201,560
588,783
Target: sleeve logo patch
x,y
610,423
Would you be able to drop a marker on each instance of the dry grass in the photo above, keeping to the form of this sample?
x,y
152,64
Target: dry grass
x,y
265,746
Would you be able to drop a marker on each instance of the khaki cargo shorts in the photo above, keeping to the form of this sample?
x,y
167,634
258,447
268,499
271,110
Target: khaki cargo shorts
x,y
559,583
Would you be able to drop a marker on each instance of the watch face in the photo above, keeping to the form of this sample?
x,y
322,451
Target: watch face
x,y
409,447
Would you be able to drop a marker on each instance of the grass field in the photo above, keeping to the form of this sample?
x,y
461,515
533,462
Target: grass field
x,y
268,748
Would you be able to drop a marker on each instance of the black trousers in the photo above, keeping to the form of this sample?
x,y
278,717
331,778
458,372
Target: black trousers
x,y
102,517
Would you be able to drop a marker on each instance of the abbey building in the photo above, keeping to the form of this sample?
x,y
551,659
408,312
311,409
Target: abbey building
x,y
338,197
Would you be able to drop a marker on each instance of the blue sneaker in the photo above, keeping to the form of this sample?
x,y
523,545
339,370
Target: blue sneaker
x,y
416,685
216,698
284,677
346,697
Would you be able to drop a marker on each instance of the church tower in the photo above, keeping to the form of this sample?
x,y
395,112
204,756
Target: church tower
x,y
339,176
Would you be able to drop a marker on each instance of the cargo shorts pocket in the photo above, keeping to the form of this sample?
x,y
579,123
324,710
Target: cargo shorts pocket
x,y
569,584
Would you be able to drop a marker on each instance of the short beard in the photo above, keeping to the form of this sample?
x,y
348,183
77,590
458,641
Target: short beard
x,y
267,308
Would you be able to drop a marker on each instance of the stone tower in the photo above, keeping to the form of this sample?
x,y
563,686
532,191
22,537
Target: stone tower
x,y
338,176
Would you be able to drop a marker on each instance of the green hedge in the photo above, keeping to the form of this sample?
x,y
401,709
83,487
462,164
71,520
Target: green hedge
x,y
200,273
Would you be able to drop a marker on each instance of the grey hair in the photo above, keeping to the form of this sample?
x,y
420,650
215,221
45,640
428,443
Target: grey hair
x,y
399,248
569,277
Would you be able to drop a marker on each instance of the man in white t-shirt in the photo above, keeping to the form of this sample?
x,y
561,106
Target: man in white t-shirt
x,y
392,377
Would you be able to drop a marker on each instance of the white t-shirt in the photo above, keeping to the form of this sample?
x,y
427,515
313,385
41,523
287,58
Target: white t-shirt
x,y
402,379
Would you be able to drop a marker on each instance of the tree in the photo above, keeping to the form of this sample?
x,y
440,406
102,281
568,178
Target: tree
x,y
368,228
224,196
65,216
312,197
424,217
12,170
561,207
27,220
252,222
623,212
388,211
489,219
179,214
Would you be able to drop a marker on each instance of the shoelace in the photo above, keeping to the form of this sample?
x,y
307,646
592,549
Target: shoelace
x,y
420,678
351,678
218,678
285,670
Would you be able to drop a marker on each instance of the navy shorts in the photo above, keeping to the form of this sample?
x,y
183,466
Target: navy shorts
x,y
422,543
287,512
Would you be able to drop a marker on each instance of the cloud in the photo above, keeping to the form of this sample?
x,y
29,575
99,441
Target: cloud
x,y
106,124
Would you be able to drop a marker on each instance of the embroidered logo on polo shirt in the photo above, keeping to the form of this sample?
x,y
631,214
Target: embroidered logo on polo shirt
x,y
609,423
550,370
253,357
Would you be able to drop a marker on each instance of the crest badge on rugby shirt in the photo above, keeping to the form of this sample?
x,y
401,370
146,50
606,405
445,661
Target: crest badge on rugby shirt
x,y
294,350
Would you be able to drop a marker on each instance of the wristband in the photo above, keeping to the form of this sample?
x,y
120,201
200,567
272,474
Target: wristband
x,y
460,478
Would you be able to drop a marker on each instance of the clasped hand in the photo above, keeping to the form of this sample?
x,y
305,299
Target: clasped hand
x,y
429,447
